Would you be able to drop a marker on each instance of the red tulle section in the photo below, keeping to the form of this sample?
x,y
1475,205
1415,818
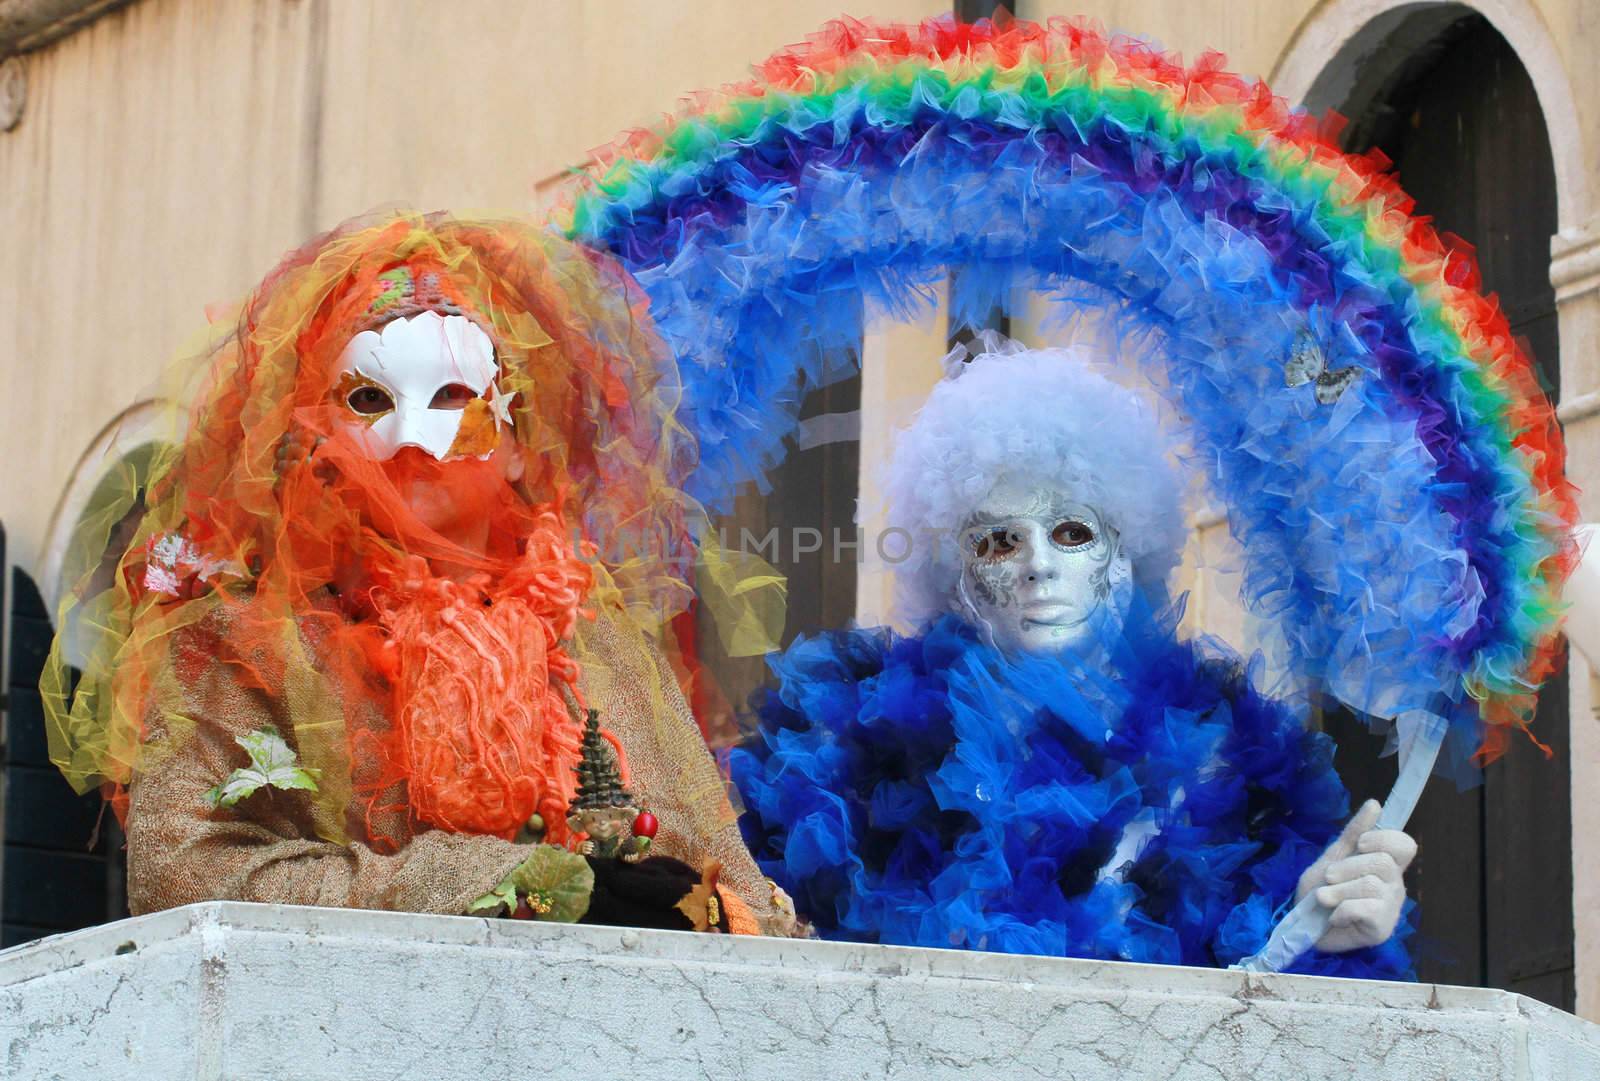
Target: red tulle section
x,y
482,735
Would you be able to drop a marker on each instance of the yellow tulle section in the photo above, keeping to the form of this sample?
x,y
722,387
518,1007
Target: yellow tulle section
x,y
745,596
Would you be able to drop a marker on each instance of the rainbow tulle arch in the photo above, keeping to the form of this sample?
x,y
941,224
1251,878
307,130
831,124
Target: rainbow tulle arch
x,y
1407,523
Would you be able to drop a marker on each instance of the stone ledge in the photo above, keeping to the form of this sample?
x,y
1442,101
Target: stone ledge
x,y
26,25
248,992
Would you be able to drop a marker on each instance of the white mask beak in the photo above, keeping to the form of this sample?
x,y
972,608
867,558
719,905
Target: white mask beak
x,y
426,381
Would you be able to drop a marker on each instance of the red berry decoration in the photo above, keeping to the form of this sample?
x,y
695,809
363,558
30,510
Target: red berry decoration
x,y
523,911
645,825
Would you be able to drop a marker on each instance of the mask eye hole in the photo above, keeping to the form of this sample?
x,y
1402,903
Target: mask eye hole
x,y
453,396
369,400
1072,534
993,545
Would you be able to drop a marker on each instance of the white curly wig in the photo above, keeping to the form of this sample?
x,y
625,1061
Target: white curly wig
x,y
1037,415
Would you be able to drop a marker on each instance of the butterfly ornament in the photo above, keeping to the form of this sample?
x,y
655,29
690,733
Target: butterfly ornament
x,y
1309,364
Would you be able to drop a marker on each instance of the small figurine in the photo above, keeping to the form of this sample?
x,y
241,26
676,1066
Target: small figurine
x,y
632,888
603,809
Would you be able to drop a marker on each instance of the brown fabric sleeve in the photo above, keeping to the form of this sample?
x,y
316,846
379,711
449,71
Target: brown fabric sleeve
x,y
271,846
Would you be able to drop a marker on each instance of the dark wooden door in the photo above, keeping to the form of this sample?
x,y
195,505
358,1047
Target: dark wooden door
x,y
64,865
970,11
1493,879
804,526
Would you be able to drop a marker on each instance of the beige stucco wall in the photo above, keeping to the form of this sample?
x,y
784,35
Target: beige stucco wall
x,y
169,153
172,151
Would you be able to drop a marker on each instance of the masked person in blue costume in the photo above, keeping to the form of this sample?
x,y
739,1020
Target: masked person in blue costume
x,y
1046,766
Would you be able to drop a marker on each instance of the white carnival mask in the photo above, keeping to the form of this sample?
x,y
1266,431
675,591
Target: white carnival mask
x,y
424,381
1041,573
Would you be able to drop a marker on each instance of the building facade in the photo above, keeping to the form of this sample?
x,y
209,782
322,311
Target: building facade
x,y
158,156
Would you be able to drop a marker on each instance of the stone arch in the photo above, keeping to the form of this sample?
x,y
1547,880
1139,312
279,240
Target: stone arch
x,y
128,437
1351,32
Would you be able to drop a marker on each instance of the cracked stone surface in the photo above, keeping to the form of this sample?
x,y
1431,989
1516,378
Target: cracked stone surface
x,y
248,992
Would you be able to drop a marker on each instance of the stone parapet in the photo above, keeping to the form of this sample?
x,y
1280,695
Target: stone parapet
x,y
248,992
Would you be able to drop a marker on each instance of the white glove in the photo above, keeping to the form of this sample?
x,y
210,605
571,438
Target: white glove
x,y
1362,878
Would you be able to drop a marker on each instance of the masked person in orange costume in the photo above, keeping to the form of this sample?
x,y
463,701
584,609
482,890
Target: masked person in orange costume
x,y
423,513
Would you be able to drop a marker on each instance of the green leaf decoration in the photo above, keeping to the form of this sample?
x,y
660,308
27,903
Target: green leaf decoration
x,y
272,765
497,902
561,879
557,882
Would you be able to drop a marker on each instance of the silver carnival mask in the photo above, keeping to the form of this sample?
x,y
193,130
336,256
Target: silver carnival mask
x,y
1041,573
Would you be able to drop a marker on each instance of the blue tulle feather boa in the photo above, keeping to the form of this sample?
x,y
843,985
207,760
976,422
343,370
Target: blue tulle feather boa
x,y
913,790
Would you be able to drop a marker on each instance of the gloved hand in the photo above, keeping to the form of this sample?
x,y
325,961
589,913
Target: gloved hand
x,y
1362,878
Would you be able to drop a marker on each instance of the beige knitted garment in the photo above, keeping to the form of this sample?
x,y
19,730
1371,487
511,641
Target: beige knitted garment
x,y
287,846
